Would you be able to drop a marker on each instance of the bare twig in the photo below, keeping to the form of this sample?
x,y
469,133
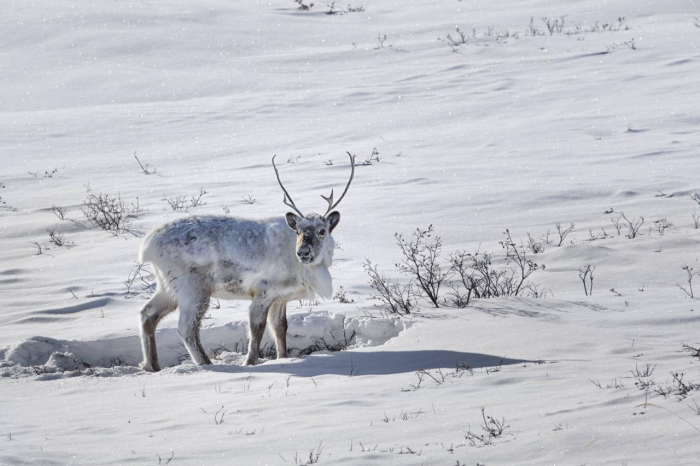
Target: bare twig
x,y
690,273
106,212
181,203
492,427
303,6
584,273
564,232
524,266
56,236
399,298
533,245
633,226
662,224
220,419
554,25
381,40
695,352
532,30
144,169
421,262
60,212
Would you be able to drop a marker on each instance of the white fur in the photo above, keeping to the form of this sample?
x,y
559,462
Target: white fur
x,y
197,258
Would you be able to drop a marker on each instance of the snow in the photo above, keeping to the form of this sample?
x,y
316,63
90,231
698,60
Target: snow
x,y
508,132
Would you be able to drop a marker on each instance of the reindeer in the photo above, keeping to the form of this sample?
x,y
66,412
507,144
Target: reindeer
x,y
268,261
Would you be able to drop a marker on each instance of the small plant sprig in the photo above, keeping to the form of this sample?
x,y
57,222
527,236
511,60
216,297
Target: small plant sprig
x,y
690,274
532,30
381,41
481,280
536,247
629,43
524,266
398,298
455,42
320,344
613,26
303,6
554,25
107,212
564,232
696,198
679,387
144,168
56,237
421,262
335,10
492,427
183,204
633,226
662,224
586,273
47,174
341,297
167,461
374,157
314,456
694,352
59,212
140,280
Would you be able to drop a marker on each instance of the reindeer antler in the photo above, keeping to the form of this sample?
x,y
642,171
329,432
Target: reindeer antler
x,y
287,198
329,199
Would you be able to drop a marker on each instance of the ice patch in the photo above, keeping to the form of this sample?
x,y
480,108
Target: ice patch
x,y
308,332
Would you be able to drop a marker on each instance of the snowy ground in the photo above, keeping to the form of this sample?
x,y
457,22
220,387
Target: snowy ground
x,y
510,130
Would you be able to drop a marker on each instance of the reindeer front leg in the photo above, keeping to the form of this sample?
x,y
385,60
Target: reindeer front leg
x,y
257,316
278,324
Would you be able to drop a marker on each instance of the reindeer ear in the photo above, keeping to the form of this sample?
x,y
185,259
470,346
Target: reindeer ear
x,y
333,219
292,220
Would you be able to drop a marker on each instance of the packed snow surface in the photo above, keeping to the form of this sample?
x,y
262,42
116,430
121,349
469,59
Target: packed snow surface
x,y
475,117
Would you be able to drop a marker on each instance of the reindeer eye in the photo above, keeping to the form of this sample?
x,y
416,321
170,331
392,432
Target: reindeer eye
x,y
322,232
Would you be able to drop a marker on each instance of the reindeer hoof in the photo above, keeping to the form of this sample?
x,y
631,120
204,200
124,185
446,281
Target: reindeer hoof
x,y
250,362
148,367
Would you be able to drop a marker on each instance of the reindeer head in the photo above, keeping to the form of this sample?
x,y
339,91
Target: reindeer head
x,y
314,230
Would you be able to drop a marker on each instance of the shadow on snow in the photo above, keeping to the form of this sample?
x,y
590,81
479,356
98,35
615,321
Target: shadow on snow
x,y
362,363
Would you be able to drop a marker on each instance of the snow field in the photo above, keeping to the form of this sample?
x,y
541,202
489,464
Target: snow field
x,y
507,132
319,329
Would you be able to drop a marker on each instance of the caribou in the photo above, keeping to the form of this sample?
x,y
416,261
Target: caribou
x,y
267,261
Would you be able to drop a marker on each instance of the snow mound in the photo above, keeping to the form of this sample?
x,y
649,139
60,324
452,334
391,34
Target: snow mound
x,y
51,358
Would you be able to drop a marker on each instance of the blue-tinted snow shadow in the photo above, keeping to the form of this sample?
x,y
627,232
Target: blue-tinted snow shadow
x,y
372,363
523,307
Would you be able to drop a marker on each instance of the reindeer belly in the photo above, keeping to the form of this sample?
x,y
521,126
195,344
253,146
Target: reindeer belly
x,y
230,281
230,293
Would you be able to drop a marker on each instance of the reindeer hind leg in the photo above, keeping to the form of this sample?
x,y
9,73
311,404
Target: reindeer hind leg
x,y
160,305
194,304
